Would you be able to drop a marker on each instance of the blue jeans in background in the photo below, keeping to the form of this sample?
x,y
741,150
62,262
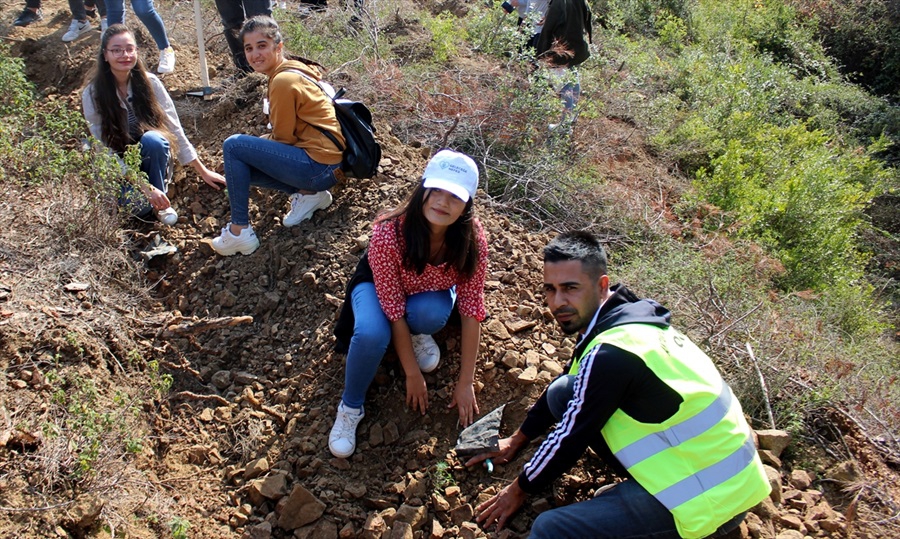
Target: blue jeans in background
x,y
115,14
265,163
426,313
155,155
626,511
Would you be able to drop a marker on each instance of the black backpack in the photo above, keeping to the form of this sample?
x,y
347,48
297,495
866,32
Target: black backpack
x,y
362,153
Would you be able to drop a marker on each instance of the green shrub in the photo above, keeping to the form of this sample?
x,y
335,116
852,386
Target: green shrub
x,y
796,193
446,35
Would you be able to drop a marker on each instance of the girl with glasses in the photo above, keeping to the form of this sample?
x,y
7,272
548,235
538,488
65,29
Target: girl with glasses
x,y
126,105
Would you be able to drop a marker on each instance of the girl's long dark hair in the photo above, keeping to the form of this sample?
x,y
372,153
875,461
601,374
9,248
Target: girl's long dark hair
x,y
114,119
460,241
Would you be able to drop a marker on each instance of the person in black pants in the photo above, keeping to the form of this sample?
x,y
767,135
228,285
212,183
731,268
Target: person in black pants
x,y
31,13
234,13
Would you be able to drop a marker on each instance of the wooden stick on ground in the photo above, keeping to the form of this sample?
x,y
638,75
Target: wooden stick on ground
x,y
206,325
762,383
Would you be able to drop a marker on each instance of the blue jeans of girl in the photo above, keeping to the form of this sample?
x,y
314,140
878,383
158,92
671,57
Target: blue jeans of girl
x,y
155,155
626,511
426,313
115,14
265,163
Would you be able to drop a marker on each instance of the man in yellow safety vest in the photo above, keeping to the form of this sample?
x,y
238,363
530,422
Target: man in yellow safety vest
x,y
647,400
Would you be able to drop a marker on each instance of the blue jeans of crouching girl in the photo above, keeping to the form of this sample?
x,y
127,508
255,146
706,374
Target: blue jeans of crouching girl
x,y
269,164
625,511
155,155
426,313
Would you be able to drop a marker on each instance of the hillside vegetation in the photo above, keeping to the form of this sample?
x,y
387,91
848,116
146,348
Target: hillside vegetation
x,y
739,171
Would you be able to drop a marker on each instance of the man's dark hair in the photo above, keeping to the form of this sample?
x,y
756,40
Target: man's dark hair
x,y
578,245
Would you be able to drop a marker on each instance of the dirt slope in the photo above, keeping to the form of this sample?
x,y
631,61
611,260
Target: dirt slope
x,y
251,404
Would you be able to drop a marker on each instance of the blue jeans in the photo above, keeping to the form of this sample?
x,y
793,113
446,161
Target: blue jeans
x,y
155,155
625,511
115,14
426,313
265,163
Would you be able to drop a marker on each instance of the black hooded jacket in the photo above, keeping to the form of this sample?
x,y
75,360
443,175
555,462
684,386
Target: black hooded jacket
x,y
608,379
565,24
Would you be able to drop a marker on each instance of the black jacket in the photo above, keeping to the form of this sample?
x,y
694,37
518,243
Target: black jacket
x,y
565,23
609,379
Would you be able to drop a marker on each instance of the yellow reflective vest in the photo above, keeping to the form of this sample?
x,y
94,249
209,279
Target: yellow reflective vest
x,y
700,463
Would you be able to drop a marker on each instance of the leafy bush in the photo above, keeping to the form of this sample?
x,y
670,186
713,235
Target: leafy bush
x,y
791,190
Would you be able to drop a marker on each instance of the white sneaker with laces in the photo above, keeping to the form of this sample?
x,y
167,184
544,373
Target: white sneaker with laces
x,y
427,353
303,207
166,60
76,29
228,244
342,440
167,216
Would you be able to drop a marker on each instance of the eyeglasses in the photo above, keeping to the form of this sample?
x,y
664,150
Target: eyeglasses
x,y
119,52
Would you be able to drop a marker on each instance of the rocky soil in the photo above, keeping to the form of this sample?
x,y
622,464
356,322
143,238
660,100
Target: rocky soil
x,y
238,448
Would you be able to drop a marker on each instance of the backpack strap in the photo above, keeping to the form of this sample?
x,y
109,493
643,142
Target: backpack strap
x,y
337,95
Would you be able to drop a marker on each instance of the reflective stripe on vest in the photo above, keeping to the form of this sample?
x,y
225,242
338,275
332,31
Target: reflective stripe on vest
x,y
658,442
695,485
700,463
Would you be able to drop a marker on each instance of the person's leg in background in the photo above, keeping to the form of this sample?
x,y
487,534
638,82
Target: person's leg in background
x,y
233,14
148,15
79,25
31,13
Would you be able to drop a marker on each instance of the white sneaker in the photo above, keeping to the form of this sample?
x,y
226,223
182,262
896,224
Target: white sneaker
x,y
427,353
167,216
104,24
228,244
166,60
77,29
303,207
342,440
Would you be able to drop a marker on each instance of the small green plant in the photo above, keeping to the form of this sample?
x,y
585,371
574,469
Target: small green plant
x,y
441,478
161,382
179,527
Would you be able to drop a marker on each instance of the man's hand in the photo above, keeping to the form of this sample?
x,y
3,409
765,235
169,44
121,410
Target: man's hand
x,y
416,392
464,398
502,506
509,448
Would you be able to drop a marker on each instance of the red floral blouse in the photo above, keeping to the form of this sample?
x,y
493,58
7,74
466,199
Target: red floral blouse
x,y
394,283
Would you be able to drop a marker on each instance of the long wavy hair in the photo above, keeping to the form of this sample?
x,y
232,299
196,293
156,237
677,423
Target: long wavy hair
x,y
114,118
410,223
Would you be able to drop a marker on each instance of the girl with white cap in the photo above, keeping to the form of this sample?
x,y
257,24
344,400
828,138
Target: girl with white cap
x,y
423,258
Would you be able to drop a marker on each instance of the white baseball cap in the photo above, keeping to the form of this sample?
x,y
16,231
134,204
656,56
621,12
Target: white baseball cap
x,y
452,171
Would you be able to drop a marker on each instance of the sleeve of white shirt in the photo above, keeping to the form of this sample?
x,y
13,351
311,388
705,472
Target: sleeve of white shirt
x,y
186,151
90,112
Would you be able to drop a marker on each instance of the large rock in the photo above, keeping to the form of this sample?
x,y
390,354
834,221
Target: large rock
x,y
323,529
374,527
414,516
256,468
272,487
774,477
773,440
401,530
299,509
800,479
